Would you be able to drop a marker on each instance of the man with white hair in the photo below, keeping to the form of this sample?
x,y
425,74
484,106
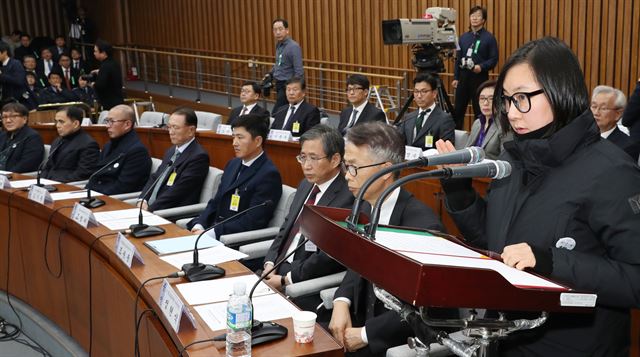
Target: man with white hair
x,y
607,105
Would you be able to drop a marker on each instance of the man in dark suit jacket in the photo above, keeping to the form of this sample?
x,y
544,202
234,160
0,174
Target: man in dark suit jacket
x,y
70,75
130,170
46,63
21,148
375,327
56,92
77,62
74,154
360,111
25,48
12,76
320,156
184,167
299,116
108,79
429,123
250,179
250,93
60,48
607,105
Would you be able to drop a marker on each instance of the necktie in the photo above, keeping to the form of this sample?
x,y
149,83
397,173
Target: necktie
x,y
244,111
292,110
164,174
296,227
420,120
352,120
66,78
75,64
49,65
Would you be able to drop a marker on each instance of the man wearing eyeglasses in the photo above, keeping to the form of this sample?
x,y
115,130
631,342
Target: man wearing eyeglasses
x,y
360,111
423,127
179,179
324,184
130,172
21,148
607,106
359,321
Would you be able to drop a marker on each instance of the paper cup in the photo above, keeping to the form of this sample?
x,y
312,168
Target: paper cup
x,y
304,323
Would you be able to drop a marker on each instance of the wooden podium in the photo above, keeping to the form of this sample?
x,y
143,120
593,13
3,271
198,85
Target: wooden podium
x,y
429,285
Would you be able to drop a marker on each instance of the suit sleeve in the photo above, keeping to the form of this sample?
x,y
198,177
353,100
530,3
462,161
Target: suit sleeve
x,y
347,286
270,188
313,118
86,164
492,61
191,178
135,170
631,114
31,156
14,76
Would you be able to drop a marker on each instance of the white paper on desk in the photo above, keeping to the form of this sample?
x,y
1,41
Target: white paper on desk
x,y
210,291
70,195
215,255
265,308
2,172
122,219
27,183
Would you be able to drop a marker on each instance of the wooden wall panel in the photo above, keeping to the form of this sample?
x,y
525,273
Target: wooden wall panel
x,y
36,17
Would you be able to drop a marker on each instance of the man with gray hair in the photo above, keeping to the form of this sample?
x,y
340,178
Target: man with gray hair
x,y
370,147
321,152
130,171
607,105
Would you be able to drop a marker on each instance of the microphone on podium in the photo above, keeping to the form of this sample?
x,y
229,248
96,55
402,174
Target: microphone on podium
x,y
49,188
92,202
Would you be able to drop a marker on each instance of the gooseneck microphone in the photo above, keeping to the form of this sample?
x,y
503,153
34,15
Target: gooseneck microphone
x,y
470,155
92,202
49,188
197,271
141,230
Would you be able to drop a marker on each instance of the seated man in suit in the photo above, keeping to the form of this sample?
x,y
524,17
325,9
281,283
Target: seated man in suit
x,y
299,116
130,170
46,64
56,92
320,157
429,123
184,166
250,93
359,321
250,179
21,148
60,48
360,110
70,75
607,106
74,154
77,62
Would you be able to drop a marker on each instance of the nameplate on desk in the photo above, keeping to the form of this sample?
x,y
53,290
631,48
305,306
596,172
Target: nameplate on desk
x,y
224,129
39,194
4,182
173,308
279,135
126,251
412,153
83,216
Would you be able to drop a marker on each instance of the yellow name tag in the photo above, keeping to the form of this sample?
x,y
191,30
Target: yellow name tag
x,y
428,141
235,202
296,127
172,179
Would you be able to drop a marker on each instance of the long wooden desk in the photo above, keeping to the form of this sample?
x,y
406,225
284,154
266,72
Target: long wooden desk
x,y
65,299
281,153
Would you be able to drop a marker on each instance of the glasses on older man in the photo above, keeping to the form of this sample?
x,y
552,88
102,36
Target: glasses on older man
x,y
353,169
302,159
110,122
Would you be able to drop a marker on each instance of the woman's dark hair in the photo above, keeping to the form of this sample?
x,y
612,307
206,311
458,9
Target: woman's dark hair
x,y
558,72
491,83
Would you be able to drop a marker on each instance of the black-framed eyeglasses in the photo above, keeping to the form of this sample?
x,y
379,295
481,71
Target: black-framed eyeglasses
x,y
353,169
302,159
522,101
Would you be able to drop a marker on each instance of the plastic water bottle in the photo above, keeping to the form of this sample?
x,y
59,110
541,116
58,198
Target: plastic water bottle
x,y
239,321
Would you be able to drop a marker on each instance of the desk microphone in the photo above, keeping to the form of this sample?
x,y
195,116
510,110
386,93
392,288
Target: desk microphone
x,y
197,271
141,230
49,188
162,123
92,202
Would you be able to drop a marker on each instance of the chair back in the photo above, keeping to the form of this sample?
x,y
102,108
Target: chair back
x,y
148,119
283,206
207,120
211,184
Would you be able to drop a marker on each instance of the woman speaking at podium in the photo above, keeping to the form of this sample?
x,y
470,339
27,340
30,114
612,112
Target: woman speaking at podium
x,y
570,209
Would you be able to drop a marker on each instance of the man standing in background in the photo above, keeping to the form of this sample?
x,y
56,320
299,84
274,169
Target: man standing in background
x,y
288,62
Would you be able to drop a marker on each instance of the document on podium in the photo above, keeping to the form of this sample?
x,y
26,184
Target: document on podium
x,y
122,219
429,249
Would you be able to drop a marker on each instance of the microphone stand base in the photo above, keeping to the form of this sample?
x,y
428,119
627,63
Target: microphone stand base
x,y
146,231
262,332
49,188
199,271
91,202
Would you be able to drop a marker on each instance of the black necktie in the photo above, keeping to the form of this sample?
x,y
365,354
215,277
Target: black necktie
x,y
420,120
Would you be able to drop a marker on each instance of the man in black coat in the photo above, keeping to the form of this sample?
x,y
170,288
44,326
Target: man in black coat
x,y
360,111
25,48
70,75
607,105
250,93
250,179
21,148
299,116
179,179
320,157
130,170
359,321
631,116
429,123
74,154
56,92
12,76
108,79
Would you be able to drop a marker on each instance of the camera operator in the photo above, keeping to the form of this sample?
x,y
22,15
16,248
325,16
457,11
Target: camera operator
x,y
477,55
108,79
288,63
